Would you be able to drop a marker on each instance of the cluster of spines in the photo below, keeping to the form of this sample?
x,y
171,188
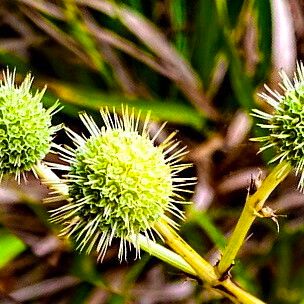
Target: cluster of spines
x,y
286,124
93,226
26,132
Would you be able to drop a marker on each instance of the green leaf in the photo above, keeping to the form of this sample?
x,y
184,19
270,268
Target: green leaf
x,y
240,81
264,23
10,247
13,61
172,110
117,299
84,268
178,19
205,222
136,270
80,32
206,41
82,293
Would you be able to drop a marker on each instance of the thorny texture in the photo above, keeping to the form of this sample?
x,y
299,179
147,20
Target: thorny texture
x,y
119,182
286,123
25,126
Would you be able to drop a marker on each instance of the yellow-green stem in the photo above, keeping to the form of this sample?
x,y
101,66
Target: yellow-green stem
x,y
237,294
163,253
204,269
254,204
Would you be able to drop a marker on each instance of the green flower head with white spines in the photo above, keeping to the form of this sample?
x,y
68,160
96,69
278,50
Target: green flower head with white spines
x,y
286,123
26,131
119,182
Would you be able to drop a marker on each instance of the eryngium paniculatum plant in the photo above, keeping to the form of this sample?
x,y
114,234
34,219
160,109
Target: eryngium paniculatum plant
x,y
26,131
119,182
286,124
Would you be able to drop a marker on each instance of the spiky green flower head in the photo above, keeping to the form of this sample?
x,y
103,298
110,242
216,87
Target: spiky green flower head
x,y
286,124
120,182
25,126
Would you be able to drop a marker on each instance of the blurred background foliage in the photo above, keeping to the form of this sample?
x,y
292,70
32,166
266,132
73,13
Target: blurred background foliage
x,y
196,64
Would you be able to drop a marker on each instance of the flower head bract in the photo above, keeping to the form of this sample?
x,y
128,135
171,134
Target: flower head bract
x,y
286,124
25,126
119,182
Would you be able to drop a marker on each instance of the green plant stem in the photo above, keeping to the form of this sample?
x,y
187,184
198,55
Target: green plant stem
x,y
204,270
253,205
201,266
163,253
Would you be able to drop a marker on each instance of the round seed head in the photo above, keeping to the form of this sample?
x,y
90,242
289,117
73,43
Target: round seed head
x,y
286,124
25,126
119,182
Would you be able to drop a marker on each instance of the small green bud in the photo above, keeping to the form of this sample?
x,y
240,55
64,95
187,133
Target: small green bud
x,y
119,182
286,124
25,126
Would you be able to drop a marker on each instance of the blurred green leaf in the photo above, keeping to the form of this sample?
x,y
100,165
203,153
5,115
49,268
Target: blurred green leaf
x,y
136,270
264,23
116,299
85,268
245,278
13,61
240,81
82,35
10,247
178,20
136,4
206,40
170,110
206,223
82,293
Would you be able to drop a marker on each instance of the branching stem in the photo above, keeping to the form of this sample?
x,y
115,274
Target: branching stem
x,y
204,270
253,205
